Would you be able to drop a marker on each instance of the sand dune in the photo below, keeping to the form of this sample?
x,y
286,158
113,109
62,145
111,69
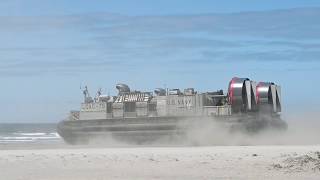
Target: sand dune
x,y
220,162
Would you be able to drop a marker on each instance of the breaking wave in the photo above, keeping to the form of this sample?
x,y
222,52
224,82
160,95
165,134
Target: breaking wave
x,y
14,133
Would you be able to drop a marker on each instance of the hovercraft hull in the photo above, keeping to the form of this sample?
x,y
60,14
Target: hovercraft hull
x,y
154,129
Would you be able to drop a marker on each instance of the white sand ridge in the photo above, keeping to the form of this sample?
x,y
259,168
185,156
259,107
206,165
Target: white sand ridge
x,y
295,163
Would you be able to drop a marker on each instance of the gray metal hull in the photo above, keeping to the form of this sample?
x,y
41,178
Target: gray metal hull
x,y
155,129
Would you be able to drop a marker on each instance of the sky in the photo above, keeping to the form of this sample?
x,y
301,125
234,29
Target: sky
x,y
49,48
144,7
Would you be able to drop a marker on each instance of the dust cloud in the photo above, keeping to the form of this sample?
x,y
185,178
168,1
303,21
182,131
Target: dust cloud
x,y
303,129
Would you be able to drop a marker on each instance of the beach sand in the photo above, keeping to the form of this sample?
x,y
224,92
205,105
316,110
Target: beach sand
x,y
214,162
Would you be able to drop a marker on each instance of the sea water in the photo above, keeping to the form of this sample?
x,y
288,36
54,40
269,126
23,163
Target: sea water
x,y
33,132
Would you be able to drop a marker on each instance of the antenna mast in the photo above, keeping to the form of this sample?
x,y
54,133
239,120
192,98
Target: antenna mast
x,y
86,93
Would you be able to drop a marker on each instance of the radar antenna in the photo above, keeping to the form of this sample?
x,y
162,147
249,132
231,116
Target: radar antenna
x,y
99,93
86,93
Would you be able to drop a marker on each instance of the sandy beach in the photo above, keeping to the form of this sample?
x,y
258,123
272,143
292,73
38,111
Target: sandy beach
x,y
214,162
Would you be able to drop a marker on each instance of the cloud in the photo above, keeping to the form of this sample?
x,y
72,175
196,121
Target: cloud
x,y
100,41
281,23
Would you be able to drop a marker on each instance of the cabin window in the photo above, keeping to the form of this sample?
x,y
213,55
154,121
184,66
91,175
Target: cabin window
x,y
152,107
109,107
130,107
